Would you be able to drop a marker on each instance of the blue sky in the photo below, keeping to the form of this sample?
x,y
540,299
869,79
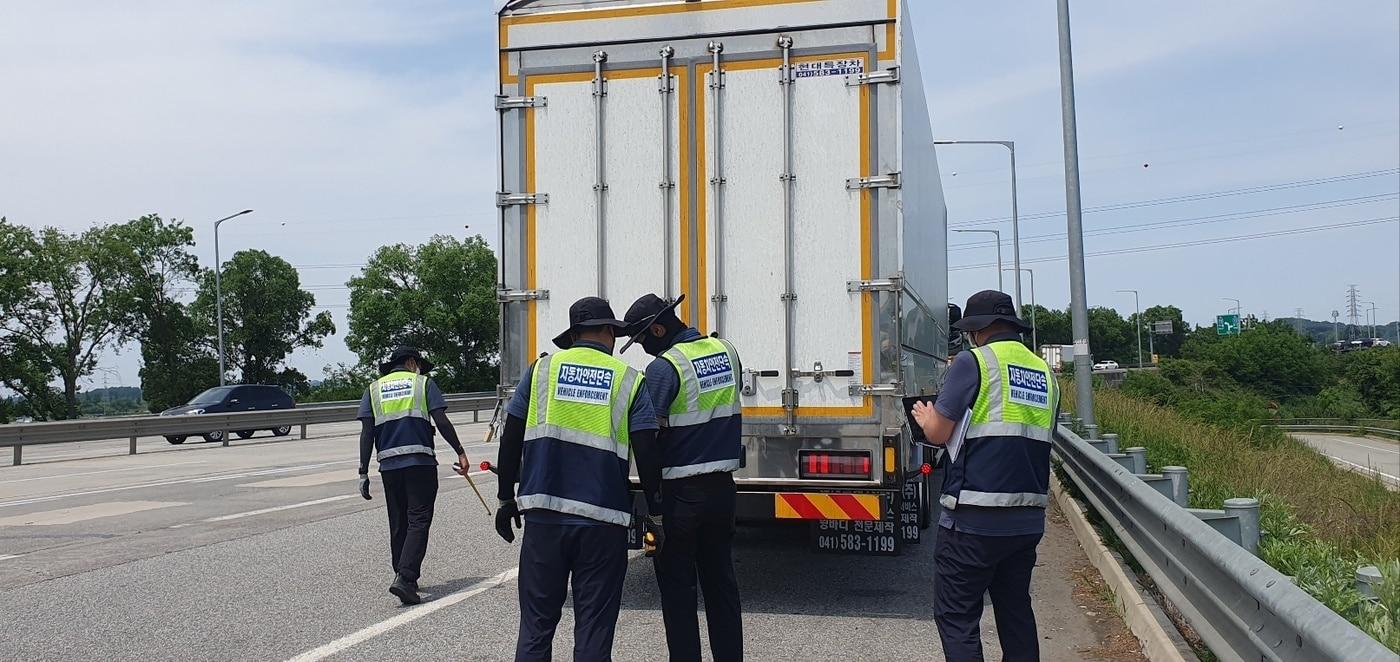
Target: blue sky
x,y
361,122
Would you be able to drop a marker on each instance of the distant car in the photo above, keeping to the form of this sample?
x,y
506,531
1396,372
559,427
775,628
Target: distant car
x,y
230,399
1106,365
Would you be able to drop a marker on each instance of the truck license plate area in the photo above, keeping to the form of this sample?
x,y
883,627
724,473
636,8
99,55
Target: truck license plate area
x,y
856,537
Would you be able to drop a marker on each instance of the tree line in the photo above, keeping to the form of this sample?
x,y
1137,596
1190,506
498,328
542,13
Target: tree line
x,y
66,298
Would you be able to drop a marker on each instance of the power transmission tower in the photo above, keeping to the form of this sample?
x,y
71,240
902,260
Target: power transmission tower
x,y
1298,320
1353,309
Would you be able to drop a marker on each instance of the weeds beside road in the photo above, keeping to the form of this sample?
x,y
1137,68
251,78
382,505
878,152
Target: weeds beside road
x,y
1318,521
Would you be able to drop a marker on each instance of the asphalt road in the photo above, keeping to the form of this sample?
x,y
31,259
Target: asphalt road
x,y
263,551
1368,455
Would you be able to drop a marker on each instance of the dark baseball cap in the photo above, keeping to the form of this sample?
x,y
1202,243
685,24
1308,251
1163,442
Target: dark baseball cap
x,y
589,312
987,307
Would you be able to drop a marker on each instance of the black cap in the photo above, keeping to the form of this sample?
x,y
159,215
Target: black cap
x,y
986,307
646,311
402,353
589,312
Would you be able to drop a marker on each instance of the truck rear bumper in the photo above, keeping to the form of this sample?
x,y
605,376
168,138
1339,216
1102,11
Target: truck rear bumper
x,y
812,506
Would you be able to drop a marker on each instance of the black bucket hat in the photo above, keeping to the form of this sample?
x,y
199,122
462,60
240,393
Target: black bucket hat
x,y
589,312
400,354
646,311
986,307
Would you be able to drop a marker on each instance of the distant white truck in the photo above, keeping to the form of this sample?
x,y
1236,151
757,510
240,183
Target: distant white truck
x,y
773,161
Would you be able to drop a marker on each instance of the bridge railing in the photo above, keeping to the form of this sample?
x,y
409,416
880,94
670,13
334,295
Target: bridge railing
x,y
1203,561
132,428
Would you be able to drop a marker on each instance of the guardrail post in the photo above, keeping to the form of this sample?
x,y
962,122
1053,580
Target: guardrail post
x,y
1247,510
225,437
132,450
1367,578
476,415
1139,457
303,430
1112,440
1091,430
19,453
1181,485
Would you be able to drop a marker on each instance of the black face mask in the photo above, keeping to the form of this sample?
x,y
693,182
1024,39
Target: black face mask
x,y
656,345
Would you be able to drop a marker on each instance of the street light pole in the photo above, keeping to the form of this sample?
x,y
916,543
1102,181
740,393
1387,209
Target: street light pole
x,y
997,234
1238,309
1137,322
1015,212
1074,223
219,291
1035,341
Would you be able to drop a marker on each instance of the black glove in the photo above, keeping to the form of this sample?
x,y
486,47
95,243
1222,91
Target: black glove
x,y
364,487
653,535
508,511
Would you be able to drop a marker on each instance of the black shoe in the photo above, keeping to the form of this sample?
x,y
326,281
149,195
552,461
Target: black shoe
x,y
406,591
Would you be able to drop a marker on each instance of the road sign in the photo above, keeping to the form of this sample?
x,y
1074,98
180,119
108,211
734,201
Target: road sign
x,y
1227,325
1163,328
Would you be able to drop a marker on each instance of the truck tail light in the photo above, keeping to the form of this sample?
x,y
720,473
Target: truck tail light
x,y
840,465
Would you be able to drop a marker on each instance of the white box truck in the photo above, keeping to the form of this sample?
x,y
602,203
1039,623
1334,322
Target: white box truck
x,y
773,161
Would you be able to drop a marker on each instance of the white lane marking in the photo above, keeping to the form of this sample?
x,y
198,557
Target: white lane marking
x,y
6,557
1368,470
184,481
84,513
174,481
264,511
1392,449
307,480
104,471
339,645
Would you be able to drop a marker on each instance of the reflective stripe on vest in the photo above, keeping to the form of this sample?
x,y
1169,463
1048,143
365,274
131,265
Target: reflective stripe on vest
x,y
1017,396
718,466
708,382
580,398
396,396
572,418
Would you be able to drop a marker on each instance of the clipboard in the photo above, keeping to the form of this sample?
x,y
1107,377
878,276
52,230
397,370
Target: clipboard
x,y
955,442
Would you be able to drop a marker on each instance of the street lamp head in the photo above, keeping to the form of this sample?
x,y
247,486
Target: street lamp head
x,y
245,211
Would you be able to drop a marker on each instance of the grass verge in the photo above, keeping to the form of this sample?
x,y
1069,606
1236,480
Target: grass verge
x,y
1318,522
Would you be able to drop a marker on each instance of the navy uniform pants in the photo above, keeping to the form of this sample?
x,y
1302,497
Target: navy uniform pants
x,y
410,493
554,557
970,565
699,521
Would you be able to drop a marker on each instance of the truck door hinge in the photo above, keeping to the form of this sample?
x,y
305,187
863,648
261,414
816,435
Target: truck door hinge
x,y
513,103
506,296
876,181
890,76
894,284
789,398
504,199
719,298
857,390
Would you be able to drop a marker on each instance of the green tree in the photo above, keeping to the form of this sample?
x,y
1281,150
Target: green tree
x,y
267,316
1270,359
71,300
1374,374
1166,345
439,296
342,382
1111,336
176,354
1052,326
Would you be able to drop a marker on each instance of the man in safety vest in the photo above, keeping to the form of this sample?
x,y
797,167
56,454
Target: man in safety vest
x,y
995,483
396,416
693,384
575,419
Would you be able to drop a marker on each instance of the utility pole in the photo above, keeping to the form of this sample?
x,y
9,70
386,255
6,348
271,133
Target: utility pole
x,y
219,291
1074,220
1137,322
1015,214
1035,340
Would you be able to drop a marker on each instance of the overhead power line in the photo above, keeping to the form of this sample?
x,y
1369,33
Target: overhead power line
x,y
1198,220
1302,183
1199,242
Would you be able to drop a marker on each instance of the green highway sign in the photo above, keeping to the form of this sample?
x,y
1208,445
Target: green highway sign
x,y
1227,325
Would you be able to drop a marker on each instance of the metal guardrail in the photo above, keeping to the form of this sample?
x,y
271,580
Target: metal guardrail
x,y
19,435
1350,429
1242,608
